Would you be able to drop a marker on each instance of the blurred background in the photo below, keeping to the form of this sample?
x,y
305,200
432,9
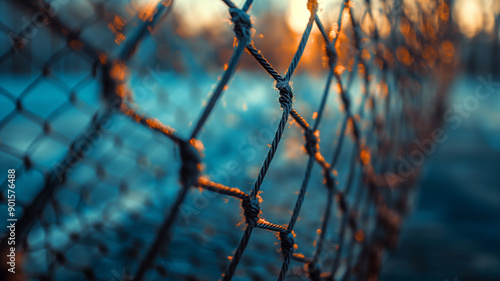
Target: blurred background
x,y
51,90
452,232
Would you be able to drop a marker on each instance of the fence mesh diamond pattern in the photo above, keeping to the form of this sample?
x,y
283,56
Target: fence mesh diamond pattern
x,y
114,183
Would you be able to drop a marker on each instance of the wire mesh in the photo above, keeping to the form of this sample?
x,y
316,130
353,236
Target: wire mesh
x,y
107,190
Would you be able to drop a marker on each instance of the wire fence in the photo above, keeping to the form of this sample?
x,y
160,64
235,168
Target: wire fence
x,y
98,195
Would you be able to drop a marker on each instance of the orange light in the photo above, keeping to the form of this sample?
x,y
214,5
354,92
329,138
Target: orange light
x,y
349,127
383,89
116,27
298,16
197,144
147,10
360,235
448,51
103,58
121,90
365,156
404,56
444,12
365,55
119,71
76,44
334,32
339,69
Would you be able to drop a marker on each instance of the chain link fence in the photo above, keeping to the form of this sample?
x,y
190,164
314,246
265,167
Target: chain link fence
x,y
124,173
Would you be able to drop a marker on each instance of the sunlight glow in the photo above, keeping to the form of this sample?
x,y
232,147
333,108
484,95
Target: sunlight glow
x,y
473,18
298,16
198,15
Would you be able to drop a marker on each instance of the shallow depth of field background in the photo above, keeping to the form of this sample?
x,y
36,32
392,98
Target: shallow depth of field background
x,y
453,229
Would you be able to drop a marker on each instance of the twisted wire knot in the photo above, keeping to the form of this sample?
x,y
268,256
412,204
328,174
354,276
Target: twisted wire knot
x,y
331,53
242,23
191,167
287,242
312,5
251,209
312,142
286,94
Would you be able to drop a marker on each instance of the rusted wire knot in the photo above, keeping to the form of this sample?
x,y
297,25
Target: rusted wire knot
x,y
242,24
331,53
313,271
312,5
312,142
286,94
287,242
251,209
191,167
